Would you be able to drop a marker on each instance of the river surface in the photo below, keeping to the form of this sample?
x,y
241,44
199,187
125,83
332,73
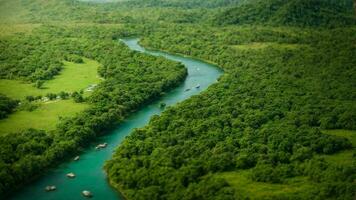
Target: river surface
x,y
89,169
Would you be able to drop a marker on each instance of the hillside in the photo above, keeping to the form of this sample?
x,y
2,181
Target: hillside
x,y
312,13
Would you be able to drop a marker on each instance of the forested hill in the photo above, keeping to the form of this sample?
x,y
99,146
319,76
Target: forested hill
x,y
312,13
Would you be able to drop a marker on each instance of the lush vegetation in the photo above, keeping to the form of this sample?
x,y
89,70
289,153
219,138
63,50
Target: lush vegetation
x,y
30,58
42,116
265,116
73,77
131,80
330,13
258,133
7,105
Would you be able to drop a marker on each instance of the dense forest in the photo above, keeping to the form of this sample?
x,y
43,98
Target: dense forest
x,y
290,77
329,13
265,114
30,58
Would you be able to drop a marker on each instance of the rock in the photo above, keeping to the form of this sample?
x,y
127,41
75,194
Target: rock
x,y
71,175
87,193
50,188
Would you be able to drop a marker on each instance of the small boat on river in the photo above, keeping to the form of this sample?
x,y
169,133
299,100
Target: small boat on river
x,y
87,193
70,175
50,188
101,146
76,158
198,86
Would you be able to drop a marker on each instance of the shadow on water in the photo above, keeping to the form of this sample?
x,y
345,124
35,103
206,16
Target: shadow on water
x,y
89,169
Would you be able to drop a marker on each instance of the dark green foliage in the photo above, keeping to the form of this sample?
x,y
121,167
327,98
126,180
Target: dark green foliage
x,y
78,98
51,96
29,58
39,84
7,105
264,113
30,98
74,58
329,13
271,174
63,95
210,189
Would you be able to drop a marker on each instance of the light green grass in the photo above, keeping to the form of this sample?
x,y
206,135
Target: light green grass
x,y
45,117
73,77
246,187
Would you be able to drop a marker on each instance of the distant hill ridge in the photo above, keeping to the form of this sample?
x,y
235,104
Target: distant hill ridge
x,y
313,13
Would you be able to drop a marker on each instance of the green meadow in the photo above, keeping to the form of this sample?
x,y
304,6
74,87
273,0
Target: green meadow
x,y
246,187
45,117
73,77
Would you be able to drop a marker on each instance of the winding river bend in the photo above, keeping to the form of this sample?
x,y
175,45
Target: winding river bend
x,y
89,169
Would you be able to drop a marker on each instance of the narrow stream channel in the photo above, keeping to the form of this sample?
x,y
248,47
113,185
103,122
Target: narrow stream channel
x,y
89,169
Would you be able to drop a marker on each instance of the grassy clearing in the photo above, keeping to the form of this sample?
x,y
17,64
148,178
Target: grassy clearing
x,y
45,117
246,187
73,77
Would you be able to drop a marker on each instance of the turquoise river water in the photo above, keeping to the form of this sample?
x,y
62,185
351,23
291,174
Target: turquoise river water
x,y
89,169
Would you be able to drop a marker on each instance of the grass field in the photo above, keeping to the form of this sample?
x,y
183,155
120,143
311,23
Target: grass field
x,y
45,117
246,187
73,77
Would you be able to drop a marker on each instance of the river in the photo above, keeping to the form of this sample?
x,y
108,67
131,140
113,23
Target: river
x,y
89,169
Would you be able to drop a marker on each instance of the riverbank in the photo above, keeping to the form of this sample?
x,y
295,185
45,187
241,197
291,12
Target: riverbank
x,y
88,169
113,100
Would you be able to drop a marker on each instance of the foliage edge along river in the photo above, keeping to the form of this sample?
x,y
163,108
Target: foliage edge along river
x,y
88,170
